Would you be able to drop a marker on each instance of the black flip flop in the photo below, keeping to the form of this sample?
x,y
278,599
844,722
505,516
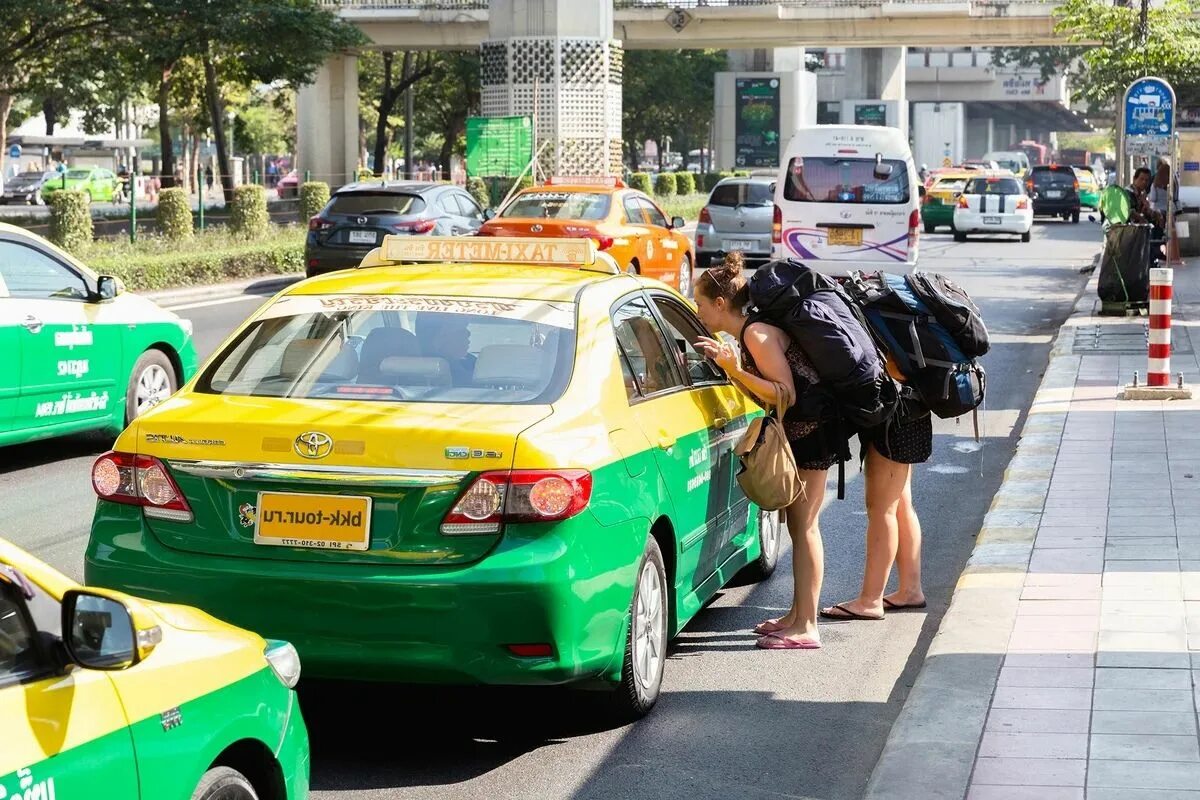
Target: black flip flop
x,y
847,614
890,606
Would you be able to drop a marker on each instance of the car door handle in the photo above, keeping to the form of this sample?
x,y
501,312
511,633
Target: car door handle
x,y
32,324
666,442
720,422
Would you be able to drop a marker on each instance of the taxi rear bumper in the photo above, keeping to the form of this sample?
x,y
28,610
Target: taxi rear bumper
x,y
400,623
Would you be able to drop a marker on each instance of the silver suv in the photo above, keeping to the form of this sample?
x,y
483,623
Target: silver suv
x,y
738,216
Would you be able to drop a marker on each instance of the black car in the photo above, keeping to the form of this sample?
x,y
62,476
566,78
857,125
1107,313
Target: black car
x,y
1055,191
359,215
26,187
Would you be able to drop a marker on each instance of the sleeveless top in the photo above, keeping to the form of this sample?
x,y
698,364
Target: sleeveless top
x,y
803,376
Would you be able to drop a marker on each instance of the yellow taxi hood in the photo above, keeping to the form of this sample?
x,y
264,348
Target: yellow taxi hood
x,y
552,284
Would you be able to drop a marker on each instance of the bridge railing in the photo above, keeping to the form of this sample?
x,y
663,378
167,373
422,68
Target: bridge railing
x,y
411,5
482,5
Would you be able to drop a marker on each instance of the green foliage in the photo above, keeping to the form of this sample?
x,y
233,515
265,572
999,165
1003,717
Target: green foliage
x,y
261,127
364,174
669,93
685,183
741,173
175,214
665,184
498,188
684,205
641,182
711,179
313,197
248,218
479,190
70,220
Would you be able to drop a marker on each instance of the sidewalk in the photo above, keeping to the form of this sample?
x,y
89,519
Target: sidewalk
x,y
1068,664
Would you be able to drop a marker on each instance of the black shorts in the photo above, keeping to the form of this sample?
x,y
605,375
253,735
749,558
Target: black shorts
x,y
907,438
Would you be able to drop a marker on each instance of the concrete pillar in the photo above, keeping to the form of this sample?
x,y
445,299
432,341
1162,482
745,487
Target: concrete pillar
x,y
555,60
327,123
776,77
979,137
876,76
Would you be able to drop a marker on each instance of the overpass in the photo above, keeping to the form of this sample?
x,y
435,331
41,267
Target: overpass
x,y
730,24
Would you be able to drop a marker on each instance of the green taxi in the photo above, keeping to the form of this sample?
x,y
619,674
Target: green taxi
x,y
937,206
1089,188
473,460
98,183
104,695
80,353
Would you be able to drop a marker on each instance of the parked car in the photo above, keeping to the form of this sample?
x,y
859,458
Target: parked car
x,y
996,204
1089,188
98,183
26,188
288,186
738,216
359,215
79,352
1055,191
148,701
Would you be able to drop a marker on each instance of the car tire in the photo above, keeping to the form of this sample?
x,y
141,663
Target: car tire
x,y
687,278
224,783
645,639
929,227
959,236
1026,236
771,530
152,380
1075,217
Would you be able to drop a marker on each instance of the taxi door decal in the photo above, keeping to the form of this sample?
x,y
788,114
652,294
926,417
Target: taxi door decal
x,y
10,375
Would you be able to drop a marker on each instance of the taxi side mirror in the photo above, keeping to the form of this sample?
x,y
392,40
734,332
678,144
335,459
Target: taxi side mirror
x,y
98,631
677,222
489,213
921,190
107,287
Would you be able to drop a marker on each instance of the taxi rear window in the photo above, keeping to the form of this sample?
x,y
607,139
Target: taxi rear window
x,y
401,348
994,186
375,203
559,205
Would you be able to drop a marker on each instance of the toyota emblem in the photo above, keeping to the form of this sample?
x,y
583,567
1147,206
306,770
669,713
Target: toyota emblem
x,y
362,220
535,228
313,444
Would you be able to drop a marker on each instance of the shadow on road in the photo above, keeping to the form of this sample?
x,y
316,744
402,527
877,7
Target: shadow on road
x,y
15,458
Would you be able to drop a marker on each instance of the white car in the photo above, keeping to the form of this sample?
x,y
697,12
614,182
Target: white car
x,y
993,204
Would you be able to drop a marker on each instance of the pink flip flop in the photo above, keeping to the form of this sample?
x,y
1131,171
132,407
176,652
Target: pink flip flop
x,y
773,641
768,626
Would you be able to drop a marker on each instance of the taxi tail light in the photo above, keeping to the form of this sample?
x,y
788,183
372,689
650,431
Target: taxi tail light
x,y
777,226
319,223
1077,186
962,201
1022,203
603,242
495,498
419,226
140,481
705,217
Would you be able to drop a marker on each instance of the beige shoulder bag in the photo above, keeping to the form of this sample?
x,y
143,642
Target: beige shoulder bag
x,y
768,475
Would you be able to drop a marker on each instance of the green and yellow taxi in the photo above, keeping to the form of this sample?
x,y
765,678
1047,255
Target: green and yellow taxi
x,y
468,461
103,694
79,352
937,206
98,183
1089,188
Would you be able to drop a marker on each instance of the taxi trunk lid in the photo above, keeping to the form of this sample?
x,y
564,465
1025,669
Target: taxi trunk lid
x,y
380,477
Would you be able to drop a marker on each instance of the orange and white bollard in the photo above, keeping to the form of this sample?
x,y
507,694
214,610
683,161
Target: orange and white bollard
x,y
1158,372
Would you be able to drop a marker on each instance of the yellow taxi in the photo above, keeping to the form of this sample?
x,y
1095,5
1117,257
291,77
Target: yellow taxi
x,y
940,199
102,694
624,223
471,460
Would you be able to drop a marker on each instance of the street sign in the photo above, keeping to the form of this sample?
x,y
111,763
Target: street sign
x,y
499,146
1149,108
1147,146
678,19
14,151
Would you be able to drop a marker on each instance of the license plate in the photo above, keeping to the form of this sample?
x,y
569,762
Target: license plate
x,y
991,220
319,521
1054,195
739,244
845,236
362,237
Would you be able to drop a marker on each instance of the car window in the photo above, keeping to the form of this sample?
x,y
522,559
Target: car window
x,y
994,186
633,211
552,204
735,194
820,179
949,184
78,174
641,344
20,657
1054,177
683,329
375,203
468,207
652,213
30,273
407,348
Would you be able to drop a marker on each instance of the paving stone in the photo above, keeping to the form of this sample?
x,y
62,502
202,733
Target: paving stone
x,y
1133,700
1065,624
1025,720
1029,772
1144,593
1139,794
1051,641
1049,678
982,792
1085,560
1018,697
1067,592
1142,747
1065,543
1142,624
1162,566
1050,660
1142,660
1142,541
1034,745
1062,579
1062,608
1143,722
1123,678
1142,552
1143,642
1143,775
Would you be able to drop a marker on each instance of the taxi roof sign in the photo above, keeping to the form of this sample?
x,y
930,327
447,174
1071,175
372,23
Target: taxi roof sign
x,y
585,180
576,252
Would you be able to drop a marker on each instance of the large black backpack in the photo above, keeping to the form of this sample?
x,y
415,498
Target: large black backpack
x,y
933,330
818,316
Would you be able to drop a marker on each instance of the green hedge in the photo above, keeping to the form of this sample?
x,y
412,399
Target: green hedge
x,y
175,214
711,179
478,189
170,270
70,220
685,183
313,197
641,182
664,184
498,187
248,218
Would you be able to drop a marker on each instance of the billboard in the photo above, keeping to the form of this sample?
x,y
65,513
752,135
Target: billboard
x,y
756,122
498,146
870,114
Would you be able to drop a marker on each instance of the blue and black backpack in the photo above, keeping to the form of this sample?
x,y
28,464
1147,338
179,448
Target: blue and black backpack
x,y
933,330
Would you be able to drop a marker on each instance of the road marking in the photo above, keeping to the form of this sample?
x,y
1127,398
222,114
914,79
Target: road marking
x,y
241,298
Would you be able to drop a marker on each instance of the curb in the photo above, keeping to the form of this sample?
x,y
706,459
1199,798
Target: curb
x,y
930,751
217,290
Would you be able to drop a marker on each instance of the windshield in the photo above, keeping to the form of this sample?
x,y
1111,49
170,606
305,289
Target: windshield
x,y
994,186
410,348
748,194
845,180
1054,177
949,185
78,174
559,205
375,203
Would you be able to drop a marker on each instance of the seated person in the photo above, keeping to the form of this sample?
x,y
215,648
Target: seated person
x,y
448,336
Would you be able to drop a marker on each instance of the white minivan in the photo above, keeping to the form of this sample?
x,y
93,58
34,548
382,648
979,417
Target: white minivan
x,y
848,199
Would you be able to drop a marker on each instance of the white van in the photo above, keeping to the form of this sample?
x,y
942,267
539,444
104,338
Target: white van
x,y
1015,161
848,199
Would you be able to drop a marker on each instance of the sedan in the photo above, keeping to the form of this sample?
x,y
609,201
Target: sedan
x,y
993,205
738,217
26,188
98,183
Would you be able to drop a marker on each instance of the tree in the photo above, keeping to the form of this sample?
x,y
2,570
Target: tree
x,y
448,97
413,67
668,93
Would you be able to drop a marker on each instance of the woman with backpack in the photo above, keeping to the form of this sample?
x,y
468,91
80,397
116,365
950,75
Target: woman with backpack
x,y
770,357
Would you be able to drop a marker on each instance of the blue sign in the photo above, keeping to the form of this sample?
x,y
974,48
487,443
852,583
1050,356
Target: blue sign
x,y
1149,108
14,151
1191,166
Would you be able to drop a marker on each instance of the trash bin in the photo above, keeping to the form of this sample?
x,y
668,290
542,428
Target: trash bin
x,y
1188,221
1125,266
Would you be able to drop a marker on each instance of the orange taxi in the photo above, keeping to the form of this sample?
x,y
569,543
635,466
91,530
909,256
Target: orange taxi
x,y
624,222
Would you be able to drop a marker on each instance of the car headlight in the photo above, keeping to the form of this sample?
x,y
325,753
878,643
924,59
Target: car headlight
x,y
187,326
284,661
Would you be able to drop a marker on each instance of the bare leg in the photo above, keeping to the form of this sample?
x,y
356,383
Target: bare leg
x,y
886,481
808,559
908,557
